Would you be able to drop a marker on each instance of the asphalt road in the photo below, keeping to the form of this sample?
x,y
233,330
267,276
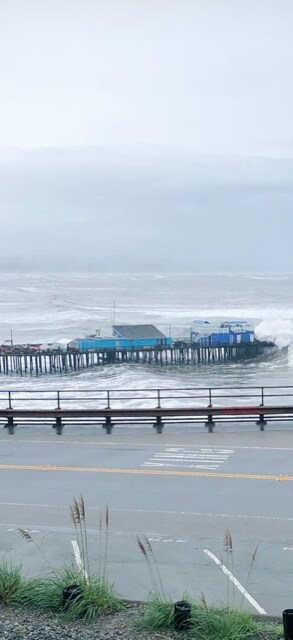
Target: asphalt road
x,y
182,489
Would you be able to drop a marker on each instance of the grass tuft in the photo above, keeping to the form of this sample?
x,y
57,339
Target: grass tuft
x,y
98,596
158,614
209,623
12,584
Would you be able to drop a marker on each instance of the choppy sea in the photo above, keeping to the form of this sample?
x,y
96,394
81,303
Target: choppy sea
x,y
49,307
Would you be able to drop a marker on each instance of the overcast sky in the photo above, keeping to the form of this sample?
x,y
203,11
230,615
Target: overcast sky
x,y
147,133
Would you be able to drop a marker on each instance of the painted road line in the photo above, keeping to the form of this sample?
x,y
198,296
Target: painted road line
x,y
197,514
181,466
146,472
193,454
28,530
196,454
158,456
203,449
216,461
131,445
210,458
236,582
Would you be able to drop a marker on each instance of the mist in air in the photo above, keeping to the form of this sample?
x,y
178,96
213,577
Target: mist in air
x,y
149,137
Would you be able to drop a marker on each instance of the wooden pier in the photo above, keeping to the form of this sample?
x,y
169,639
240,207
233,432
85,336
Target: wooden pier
x,y
25,362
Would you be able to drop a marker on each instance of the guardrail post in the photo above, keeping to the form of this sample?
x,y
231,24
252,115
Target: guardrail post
x,y
108,400
10,425
261,422
58,400
108,424
159,398
210,424
262,397
9,400
159,425
59,425
210,398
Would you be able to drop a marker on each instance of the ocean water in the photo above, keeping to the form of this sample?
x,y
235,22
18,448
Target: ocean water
x,y
50,307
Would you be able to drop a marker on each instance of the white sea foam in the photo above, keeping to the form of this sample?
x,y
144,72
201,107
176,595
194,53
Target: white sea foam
x,y
54,307
280,331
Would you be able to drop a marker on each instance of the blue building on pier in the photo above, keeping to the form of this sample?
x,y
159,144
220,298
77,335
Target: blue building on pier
x,y
208,333
126,336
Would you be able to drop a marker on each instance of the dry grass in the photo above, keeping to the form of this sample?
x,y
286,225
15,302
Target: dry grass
x,y
152,565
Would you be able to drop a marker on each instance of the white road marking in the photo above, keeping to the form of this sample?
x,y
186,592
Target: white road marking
x,y
181,466
35,531
203,466
287,548
190,456
28,530
167,540
209,458
78,559
184,451
181,463
199,514
130,446
236,582
154,464
153,539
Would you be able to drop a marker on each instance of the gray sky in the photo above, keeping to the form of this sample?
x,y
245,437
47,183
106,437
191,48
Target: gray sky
x,y
147,132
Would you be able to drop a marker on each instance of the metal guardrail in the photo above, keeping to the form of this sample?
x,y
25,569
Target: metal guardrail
x,y
136,406
157,397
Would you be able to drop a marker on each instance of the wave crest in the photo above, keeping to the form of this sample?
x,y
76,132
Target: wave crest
x,y
279,331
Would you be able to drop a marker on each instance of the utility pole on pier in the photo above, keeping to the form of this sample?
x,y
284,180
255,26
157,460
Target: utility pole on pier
x,y
10,341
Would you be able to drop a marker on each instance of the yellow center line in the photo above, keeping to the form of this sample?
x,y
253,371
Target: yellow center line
x,y
147,472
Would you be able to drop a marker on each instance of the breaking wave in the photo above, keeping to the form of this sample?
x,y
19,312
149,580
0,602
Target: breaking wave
x,y
279,331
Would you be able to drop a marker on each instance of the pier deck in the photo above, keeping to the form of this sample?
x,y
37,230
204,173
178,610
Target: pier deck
x,y
25,362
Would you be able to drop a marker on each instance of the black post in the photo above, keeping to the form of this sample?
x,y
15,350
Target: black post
x,y
182,615
71,593
159,425
108,425
261,422
59,425
288,624
210,424
10,425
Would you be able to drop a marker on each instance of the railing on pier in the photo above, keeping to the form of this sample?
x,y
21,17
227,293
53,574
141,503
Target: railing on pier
x,y
137,406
